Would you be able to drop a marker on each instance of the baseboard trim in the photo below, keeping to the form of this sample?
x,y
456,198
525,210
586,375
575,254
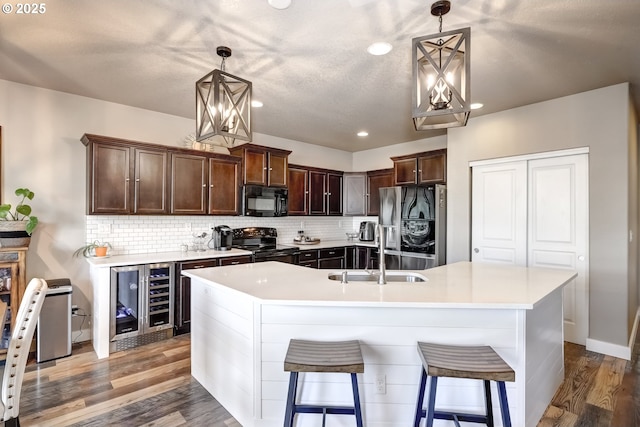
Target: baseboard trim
x,y
616,350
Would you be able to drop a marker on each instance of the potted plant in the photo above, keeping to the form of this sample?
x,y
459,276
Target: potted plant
x,y
95,249
17,225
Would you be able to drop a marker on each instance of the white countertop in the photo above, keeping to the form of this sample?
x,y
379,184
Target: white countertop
x,y
154,257
459,285
149,258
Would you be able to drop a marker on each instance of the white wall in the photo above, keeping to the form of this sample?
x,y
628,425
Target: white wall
x,y
597,119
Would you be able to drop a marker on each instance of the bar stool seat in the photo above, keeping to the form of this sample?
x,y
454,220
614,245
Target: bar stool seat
x,y
472,362
323,356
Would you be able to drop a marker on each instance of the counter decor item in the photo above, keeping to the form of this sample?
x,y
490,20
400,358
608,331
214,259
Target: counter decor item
x,y
95,249
16,226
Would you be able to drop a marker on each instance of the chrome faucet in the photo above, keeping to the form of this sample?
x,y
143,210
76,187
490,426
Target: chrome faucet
x,y
382,242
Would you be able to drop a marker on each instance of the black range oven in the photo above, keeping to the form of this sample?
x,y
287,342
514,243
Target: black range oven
x,y
261,241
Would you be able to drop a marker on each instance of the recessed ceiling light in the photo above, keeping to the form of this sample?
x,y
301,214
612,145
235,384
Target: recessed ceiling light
x,y
476,105
379,48
279,4
257,104
363,133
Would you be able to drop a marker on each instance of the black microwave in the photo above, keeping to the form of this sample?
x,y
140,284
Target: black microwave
x,y
264,201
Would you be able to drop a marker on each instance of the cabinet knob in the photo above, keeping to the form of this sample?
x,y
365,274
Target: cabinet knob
x,y
329,194
204,185
264,168
126,179
270,169
211,185
137,179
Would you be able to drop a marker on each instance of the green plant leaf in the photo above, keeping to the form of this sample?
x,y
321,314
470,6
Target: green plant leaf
x,y
25,192
31,225
23,210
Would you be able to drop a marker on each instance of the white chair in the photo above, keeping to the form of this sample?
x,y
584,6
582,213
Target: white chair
x,y
18,350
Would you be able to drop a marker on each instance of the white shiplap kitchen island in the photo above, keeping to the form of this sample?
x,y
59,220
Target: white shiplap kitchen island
x,y
243,317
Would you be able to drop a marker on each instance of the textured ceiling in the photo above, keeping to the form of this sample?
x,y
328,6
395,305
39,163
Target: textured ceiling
x,y
309,64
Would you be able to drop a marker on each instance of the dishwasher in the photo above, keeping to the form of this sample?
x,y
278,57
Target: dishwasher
x,y
54,323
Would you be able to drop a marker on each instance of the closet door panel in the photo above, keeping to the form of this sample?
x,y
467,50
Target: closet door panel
x,y
558,230
499,213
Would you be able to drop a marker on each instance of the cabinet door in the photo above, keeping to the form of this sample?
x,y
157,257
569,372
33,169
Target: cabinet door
x,y
334,194
375,181
405,171
188,184
255,167
317,193
355,189
432,169
298,191
109,179
224,191
183,294
277,176
337,263
150,181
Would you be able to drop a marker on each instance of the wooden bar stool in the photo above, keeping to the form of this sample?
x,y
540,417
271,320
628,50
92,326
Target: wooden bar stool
x,y
479,362
323,356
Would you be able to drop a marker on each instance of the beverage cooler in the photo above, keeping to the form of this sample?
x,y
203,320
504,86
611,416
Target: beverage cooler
x,y
142,298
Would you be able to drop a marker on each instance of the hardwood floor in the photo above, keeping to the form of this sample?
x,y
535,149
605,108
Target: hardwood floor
x,y
152,386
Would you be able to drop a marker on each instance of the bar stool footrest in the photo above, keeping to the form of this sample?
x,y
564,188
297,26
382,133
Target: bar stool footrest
x,y
319,409
461,416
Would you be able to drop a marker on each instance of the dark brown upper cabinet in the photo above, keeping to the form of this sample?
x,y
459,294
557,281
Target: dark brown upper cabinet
x,y
129,177
263,165
375,181
125,178
298,190
422,168
322,194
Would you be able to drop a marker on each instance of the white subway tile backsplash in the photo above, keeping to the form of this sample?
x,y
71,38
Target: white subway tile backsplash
x,y
147,234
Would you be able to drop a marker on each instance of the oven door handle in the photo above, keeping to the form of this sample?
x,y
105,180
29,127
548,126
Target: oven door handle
x,y
276,254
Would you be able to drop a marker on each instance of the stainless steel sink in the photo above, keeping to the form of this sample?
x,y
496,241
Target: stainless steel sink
x,y
372,276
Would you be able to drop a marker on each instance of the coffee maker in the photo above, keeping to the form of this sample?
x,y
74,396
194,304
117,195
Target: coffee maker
x,y
221,238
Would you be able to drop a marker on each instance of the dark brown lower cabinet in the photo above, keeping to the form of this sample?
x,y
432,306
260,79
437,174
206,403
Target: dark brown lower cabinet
x,y
182,314
332,258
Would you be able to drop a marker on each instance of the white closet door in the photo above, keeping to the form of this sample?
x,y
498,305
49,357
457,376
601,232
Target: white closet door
x,y
558,230
499,213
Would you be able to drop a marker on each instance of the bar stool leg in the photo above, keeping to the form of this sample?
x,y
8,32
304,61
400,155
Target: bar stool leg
x,y
291,400
356,399
504,405
488,403
431,407
420,413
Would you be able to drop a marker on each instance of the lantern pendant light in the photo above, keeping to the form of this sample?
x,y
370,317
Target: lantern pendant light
x,y
223,105
441,76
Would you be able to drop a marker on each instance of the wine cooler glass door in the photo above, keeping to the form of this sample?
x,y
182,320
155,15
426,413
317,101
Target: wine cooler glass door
x,y
160,302
125,302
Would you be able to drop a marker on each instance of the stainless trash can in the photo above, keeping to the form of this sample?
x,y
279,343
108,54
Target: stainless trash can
x,y
54,322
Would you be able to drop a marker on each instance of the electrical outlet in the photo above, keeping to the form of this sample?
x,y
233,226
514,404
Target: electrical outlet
x,y
339,224
187,226
301,225
104,228
381,384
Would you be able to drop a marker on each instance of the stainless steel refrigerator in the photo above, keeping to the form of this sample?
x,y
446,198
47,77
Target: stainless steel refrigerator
x,y
415,225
